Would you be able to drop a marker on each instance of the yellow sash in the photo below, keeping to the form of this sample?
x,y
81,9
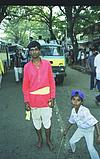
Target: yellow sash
x,y
42,91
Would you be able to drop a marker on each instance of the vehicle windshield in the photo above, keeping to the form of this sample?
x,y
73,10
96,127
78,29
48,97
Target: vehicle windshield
x,y
12,49
51,51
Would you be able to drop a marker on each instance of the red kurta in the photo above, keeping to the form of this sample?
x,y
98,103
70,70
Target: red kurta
x,y
38,84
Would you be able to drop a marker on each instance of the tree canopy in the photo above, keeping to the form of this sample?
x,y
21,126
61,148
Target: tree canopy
x,y
20,22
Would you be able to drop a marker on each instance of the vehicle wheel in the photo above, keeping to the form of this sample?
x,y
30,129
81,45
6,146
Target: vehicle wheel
x,y
59,79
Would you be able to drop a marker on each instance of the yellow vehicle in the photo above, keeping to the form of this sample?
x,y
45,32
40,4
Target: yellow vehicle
x,y
55,54
3,54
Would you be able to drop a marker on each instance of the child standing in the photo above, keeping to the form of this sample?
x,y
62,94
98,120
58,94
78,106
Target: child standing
x,y
86,123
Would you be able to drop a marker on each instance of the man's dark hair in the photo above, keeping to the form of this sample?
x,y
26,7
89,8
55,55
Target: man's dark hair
x,y
34,44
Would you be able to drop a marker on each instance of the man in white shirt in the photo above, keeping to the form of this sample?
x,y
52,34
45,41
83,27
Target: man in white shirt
x,y
41,41
97,66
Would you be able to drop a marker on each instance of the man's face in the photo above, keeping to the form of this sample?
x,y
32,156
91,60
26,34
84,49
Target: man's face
x,y
34,52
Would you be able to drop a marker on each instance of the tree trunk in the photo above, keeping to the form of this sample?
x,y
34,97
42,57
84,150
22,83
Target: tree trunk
x,y
52,35
3,12
73,38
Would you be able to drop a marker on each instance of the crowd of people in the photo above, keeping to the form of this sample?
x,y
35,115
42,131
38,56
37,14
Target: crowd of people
x,y
90,60
93,64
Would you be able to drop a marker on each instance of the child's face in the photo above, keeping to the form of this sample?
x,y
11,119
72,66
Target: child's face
x,y
76,102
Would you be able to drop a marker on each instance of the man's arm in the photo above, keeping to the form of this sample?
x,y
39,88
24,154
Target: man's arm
x,y
25,88
52,88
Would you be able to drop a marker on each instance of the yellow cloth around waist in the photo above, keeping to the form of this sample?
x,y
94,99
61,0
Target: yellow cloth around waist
x,y
42,91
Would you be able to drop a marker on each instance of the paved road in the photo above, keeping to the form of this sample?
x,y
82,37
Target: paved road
x,y
18,137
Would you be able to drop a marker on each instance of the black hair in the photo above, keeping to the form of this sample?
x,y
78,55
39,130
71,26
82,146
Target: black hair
x,y
34,44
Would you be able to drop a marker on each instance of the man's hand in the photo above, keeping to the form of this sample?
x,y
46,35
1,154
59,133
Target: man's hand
x,y
27,106
51,102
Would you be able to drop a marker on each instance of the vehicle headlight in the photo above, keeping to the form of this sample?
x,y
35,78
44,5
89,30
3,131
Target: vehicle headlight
x,y
62,69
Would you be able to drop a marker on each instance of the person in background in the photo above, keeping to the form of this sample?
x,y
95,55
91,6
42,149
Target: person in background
x,y
79,56
97,100
18,65
71,57
24,57
39,92
82,57
90,64
97,67
40,40
90,51
1,71
86,124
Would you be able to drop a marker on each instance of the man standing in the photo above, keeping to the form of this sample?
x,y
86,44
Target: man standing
x,y
39,92
91,67
18,65
40,40
97,66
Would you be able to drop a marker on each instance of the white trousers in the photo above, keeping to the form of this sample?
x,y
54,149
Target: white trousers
x,y
89,137
17,70
41,116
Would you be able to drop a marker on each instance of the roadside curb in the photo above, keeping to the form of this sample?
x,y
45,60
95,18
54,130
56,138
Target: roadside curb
x,y
80,68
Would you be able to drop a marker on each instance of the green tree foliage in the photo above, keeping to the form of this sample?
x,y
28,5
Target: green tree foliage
x,y
24,21
44,15
72,14
39,20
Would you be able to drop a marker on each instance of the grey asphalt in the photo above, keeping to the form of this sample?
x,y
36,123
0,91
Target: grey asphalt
x,y
18,137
